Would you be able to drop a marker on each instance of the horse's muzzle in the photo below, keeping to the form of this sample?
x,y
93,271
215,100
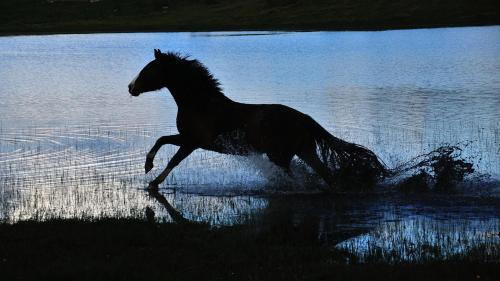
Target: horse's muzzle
x,y
131,90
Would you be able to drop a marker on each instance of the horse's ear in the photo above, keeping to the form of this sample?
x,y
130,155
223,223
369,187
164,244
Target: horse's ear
x,y
157,53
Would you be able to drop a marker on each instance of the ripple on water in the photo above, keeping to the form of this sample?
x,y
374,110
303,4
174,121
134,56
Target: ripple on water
x,y
98,171
50,165
87,172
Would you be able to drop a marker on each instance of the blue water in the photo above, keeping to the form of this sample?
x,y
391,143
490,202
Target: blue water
x,y
73,141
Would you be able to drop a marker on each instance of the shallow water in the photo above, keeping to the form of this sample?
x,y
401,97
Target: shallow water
x,y
73,142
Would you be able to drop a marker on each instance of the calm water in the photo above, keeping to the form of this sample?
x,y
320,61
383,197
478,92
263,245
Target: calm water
x,y
73,141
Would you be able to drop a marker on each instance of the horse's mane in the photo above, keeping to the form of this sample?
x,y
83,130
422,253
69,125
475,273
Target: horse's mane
x,y
198,76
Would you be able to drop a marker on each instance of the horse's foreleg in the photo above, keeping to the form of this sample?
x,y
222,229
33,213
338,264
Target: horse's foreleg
x,y
180,155
173,139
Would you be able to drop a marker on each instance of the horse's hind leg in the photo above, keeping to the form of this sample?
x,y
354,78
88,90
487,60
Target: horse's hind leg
x,y
173,139
311,158
180,155
282,160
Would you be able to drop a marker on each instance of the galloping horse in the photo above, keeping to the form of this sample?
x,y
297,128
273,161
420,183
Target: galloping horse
x,y
207,119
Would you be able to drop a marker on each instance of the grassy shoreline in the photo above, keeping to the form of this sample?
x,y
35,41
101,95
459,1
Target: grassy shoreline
x,y
42,17
135,249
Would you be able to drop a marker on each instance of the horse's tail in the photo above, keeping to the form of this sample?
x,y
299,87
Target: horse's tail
x,y
352,165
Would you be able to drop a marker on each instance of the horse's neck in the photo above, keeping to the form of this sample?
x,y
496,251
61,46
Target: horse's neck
x,y
194,97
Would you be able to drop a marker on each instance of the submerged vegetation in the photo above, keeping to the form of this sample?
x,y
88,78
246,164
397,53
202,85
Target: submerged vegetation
x,y
62,16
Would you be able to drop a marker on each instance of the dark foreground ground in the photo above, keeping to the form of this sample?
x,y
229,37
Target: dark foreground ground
x,y
118,249
79,16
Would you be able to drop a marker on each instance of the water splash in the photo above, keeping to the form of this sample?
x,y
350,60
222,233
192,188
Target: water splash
x,y
440,170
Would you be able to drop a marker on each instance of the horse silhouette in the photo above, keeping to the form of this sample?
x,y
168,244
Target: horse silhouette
x,y
209,120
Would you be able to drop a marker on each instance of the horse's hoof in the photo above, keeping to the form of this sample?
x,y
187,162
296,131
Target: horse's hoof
x,y
148,166
153,186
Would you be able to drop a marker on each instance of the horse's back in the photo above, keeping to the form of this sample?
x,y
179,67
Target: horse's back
x,y
241,128
281,118
277,127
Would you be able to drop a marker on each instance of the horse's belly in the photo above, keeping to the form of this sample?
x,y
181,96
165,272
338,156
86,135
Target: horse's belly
x,y
233,142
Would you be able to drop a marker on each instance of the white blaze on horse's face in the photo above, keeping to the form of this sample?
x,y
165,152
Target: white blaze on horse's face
x,y
131,87
150,79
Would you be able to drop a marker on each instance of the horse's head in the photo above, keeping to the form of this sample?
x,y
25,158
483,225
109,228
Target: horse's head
x,y
187,79
151,77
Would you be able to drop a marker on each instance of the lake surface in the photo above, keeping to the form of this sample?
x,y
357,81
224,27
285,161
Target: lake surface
x,y
73,141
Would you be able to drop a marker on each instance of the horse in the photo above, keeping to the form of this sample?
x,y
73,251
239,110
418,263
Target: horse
x,y
208,119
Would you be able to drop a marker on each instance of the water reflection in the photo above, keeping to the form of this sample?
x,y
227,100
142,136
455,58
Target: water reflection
x,y
421,238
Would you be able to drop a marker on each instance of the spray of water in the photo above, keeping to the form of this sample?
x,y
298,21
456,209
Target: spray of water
x,y
440,170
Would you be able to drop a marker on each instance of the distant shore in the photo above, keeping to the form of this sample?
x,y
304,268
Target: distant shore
x,y
32,17
229,29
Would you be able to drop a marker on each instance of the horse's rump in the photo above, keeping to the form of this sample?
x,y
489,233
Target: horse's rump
x,y
284,132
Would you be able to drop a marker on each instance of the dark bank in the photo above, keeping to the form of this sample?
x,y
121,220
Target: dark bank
x,y
83,16
135,249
